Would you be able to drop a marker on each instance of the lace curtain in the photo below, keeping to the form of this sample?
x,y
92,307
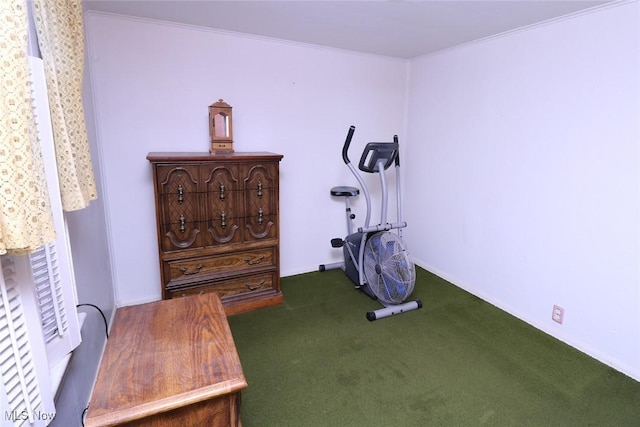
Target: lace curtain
x,y
25,214
60,32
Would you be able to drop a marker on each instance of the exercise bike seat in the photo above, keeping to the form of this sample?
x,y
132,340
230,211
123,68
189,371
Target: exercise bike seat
x,y
344,191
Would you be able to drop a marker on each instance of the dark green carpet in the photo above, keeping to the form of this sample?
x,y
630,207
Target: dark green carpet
x,y
316,361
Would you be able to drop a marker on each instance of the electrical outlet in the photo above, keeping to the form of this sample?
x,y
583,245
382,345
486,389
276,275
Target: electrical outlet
x,y
558,314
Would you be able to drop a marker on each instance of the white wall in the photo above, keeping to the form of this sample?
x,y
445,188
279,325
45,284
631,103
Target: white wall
x,y
94,284
152,84
524,175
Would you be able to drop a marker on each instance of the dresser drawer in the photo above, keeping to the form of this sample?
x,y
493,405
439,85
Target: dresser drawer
x,y
177,179
195,269
230,287
181,235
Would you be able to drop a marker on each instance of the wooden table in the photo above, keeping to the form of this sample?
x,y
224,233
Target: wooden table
x,y
169,363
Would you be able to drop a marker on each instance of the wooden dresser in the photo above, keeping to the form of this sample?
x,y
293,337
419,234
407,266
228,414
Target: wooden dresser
x,y
169,363
218,226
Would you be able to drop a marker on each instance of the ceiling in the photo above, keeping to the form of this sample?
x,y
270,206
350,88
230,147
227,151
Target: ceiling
x,y
394,28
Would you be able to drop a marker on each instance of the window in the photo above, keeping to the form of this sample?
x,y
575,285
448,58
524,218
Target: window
x,y
55,302
25,397
38,319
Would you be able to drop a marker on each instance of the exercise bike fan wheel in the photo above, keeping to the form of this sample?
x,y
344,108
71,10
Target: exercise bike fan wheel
x,y
389,272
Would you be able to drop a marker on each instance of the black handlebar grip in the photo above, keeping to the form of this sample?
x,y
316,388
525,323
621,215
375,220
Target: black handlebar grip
x,y
347,142
395,141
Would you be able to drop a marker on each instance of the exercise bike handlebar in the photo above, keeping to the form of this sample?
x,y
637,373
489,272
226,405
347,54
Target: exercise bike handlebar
x,y
397,159
347,143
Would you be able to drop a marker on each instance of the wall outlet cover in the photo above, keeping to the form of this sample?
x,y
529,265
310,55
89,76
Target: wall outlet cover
x,y
558,314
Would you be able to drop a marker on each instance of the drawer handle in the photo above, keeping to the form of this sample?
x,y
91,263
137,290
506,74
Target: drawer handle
x,y
196,270
254,261
223,220
180,194
260,216
252,287
181,221
221,191
259,189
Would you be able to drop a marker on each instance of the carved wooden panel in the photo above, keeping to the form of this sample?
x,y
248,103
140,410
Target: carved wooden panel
x,y
199,268
233,286
259,201
222,206
180,217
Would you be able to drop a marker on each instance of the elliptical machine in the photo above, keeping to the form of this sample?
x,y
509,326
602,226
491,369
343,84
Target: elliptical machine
x,y
375,258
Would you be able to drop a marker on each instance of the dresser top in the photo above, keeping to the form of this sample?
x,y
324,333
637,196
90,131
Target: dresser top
x,y
239,156
163,355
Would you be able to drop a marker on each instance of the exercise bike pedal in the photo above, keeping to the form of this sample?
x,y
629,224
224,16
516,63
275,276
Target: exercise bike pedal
x,y
337,243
